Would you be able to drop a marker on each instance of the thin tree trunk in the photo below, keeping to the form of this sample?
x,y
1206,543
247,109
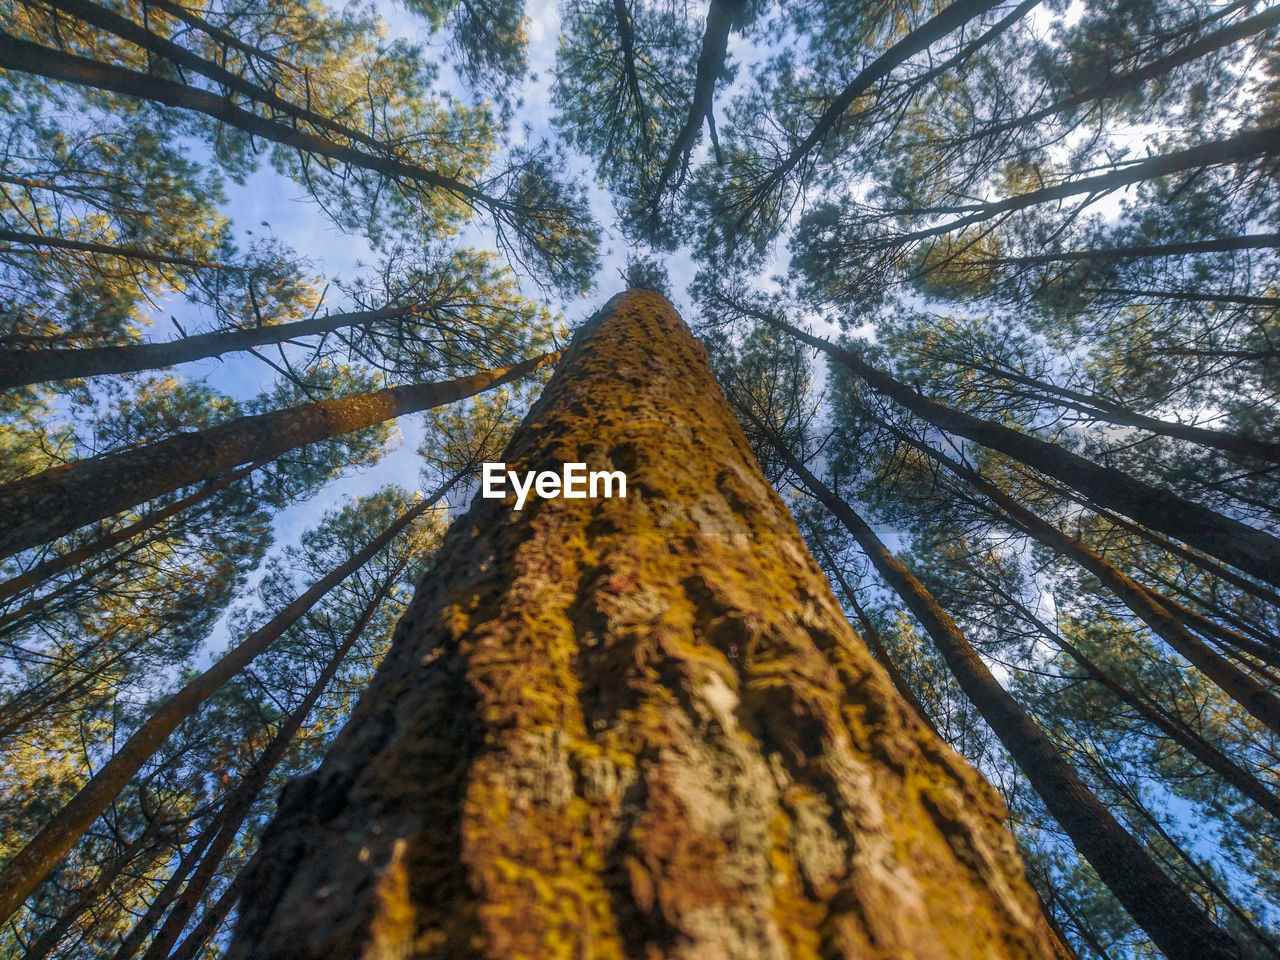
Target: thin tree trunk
x,y
216,914
241,802
160,903
33,58
20,367
92,548
1251,550
1178,550
1111,411
140,36
106,876
1145,604
917,41
1159,906
1243,147
105,249
1125,82
53,503
41,854
635,726
721,16
191,19
1147,251
1174,728
1187,296
871,636
1206,878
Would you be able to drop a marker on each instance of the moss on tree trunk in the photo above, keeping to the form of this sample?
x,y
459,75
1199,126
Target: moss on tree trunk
x,y
636,727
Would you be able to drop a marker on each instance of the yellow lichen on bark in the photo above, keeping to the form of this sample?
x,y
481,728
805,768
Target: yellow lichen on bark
x,y
638,727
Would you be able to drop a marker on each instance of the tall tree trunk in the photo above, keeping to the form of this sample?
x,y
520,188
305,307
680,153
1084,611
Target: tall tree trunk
x,y
950,18
635,726
241,802
38,60
100,884
1260,241
871,637
1121,84
1175,728
160,902
722,15
41,854
212,918
57,501
1173,921
98,545
1241,148
1103,408
1251,550
105,249
1148,606
19,367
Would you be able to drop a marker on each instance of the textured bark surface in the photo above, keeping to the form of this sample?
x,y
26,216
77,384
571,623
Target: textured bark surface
x,y
636,727
56,501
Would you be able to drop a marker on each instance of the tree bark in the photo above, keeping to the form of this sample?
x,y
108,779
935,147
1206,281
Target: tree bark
x,y
20,367
1157,904
55,502
41,854
635,727
871,637
1247,548
98,545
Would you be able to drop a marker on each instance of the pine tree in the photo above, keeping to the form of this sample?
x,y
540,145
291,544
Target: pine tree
x,y
581,741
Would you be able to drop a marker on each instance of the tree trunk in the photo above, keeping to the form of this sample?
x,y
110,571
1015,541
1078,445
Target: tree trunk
x,y
1118,85
20,367
917,41
635,726
722,15
1251,550
213,917
105,249
1145,604
871,637
1173,921
1243,147
45,943
1174,727
1111,411
55,502
98,545
42,61
241,801
32,864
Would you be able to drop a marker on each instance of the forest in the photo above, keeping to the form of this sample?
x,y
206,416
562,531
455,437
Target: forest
x,y
973,465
